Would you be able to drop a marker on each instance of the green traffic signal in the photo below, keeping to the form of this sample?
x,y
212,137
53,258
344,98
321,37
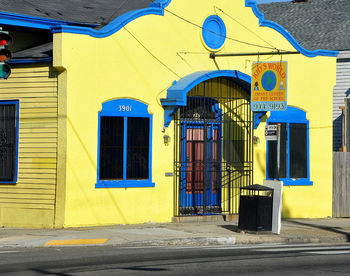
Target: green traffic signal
x,y
5,71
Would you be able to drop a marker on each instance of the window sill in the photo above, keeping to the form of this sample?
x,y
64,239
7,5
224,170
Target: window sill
x,y
296,182
124,184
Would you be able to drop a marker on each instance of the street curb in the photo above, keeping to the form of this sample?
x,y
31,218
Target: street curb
x,y
183,241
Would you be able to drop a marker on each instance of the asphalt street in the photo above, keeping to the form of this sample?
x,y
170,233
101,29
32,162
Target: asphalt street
x,y
272,259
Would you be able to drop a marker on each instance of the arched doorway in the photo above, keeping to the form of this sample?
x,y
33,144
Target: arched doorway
x,y
213,147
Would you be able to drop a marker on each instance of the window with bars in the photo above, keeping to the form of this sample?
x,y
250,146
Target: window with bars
x,y
124,145
293,148
8,141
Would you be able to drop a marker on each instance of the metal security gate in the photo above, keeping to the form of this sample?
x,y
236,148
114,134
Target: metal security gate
x,y
213,148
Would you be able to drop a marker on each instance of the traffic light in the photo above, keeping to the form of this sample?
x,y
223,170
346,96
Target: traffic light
x,y
5,55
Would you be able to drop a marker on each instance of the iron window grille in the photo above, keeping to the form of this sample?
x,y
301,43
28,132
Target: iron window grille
x,y
9,114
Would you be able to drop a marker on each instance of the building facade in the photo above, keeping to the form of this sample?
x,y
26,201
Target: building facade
x,y
139,123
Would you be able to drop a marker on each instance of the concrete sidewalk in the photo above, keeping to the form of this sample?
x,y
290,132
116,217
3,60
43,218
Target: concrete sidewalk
x,y
190,233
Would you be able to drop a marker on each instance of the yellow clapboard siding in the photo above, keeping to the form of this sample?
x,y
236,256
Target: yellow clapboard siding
x,y
46,198
38,170
34,177
27,85
37,130
34,100
37,105
35,68
12,95
37,140
37,160
29,154
27,206
33,80
45,155
38,110
36,186
26,190
25,119
37,181
38,115
39,125
37,150
38,135
23,90
37,165
35,86
39,73
21,200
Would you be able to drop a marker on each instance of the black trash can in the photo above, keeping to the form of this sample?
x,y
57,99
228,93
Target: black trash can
x,y
255,208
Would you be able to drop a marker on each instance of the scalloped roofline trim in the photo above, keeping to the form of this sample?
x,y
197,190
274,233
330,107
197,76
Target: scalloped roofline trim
x,y
156,8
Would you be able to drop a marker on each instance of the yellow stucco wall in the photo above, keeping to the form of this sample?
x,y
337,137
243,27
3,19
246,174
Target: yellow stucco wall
x,y
140,62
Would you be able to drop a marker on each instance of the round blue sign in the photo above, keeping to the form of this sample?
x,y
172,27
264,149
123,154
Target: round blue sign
x,y
269,80
214,32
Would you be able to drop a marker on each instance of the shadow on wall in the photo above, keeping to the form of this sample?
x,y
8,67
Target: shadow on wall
x,y
83,185
285,209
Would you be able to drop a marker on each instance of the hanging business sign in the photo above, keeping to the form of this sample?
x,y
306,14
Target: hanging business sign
x,y
269,86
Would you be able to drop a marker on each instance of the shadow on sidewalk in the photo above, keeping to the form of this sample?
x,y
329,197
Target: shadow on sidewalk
x,y
336,230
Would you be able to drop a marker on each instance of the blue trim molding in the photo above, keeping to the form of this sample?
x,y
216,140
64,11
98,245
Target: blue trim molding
x,y
156,8
273,25
296,116
125,108
214,32
177,93
257,116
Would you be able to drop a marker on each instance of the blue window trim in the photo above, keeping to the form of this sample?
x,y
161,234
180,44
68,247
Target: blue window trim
x,y
113,109
290,116
16,102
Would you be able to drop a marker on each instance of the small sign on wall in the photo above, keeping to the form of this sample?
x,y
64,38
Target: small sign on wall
x,y
271,132
269,86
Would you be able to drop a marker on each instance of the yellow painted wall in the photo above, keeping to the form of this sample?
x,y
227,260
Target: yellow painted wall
x,y
309,89
140,62
31,201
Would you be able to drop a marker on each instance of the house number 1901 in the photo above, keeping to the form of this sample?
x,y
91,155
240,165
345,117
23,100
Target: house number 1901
x,y
124,108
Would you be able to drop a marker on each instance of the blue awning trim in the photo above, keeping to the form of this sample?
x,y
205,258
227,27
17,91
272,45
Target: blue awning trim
x,y
257,116
177,93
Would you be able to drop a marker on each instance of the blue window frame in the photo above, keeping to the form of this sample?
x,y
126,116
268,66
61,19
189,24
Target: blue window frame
x,y
9,124
294,148
124,145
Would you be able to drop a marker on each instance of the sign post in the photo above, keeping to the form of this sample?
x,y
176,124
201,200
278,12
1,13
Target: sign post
x,y
269,86
273,133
